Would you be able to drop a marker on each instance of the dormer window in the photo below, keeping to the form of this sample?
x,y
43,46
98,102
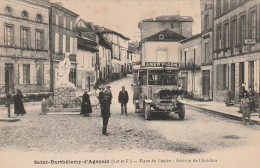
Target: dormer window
x,y
25,15
8,10
39,18
161,37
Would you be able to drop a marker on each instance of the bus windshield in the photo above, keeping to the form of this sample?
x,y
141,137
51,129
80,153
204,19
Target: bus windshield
x,y
163,77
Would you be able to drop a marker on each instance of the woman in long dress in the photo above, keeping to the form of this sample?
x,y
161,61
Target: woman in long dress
x,y
18,103
86,108
246,113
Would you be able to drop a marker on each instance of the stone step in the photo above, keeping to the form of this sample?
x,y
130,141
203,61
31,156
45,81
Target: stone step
x,y
51,110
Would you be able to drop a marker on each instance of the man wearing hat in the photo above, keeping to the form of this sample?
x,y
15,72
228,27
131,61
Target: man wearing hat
x,y
123,99
109,93
105,112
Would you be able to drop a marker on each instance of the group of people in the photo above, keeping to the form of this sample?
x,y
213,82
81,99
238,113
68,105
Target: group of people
x,y
105,100
247,103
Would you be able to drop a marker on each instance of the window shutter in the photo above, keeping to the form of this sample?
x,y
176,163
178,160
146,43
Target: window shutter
x,y
64,44
20,71
32,73
71,45
56,43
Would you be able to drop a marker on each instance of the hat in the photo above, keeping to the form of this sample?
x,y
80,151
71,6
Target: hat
x,y
108,87
101,87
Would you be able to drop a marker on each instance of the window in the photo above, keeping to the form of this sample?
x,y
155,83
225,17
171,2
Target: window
x,y
64,22
206,22
39,39
233,3
225,5
64,43
252,25
206,52
72,76
226,35
40,74
57,19
161,37
26,74
71,45
194,55
219,38
71,26
8,11
56,47
24,37
233,33
185,58
172,26
242,29
39,18
25,15
221,77
8,35
218,7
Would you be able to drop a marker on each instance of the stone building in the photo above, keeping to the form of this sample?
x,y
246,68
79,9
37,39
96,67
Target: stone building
x,y
63,39
119,51
24,45
236,47
179,24
207,25
190,66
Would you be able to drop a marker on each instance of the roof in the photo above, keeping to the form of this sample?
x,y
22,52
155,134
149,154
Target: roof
x,y
190,38
87,44
61,8
165,35
170,18
104,30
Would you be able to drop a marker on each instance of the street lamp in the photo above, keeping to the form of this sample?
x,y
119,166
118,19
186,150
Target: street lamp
x,y
8,98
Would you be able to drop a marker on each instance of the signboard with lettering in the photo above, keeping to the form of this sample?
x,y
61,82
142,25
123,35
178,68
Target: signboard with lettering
x,y
162,64
250,41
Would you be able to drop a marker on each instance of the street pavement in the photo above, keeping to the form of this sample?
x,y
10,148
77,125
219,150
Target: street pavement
x,y
201,135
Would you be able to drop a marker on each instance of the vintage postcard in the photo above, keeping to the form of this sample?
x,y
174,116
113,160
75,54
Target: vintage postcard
x,y
129,83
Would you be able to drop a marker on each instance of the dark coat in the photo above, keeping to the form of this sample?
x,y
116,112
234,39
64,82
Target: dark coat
x,y
109,94
18,104
105,106
86,105
123,97
101,96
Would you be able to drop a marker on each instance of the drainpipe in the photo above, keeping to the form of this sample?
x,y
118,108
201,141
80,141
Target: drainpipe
x,y
51,49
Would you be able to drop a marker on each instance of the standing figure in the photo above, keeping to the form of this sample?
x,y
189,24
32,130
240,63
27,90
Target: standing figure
x,y
246,113
252,99
181,92
18,103
123,99
109,93
105,112
227,97
86,108
243,94
101,94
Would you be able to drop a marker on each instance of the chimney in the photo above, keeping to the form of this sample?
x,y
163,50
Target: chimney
x,y
59,3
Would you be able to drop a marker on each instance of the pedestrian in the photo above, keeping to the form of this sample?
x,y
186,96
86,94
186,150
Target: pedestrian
x,y
243,93
18,103
227,97
101,93
86,108
105,112
246,113
109,93
252,99
123,99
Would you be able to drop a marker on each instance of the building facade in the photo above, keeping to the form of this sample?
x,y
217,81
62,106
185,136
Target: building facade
x,y
236,47
63,39
24,46
176,23
190,66
207,25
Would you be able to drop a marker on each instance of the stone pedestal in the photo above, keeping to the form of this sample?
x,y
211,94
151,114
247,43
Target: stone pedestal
x,y
65,97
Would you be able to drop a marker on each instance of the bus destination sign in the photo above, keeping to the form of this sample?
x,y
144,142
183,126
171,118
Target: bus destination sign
x,y
162,64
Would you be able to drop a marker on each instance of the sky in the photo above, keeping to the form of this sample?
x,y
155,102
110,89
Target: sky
x,y
123,15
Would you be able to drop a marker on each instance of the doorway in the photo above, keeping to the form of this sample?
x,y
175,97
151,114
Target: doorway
x,y
88,83
9,76
205,83
232,81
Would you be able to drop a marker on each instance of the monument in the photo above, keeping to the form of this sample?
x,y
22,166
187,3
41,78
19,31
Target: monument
x,y
64,91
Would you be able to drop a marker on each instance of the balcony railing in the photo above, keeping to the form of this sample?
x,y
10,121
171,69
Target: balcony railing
x,y
61,57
